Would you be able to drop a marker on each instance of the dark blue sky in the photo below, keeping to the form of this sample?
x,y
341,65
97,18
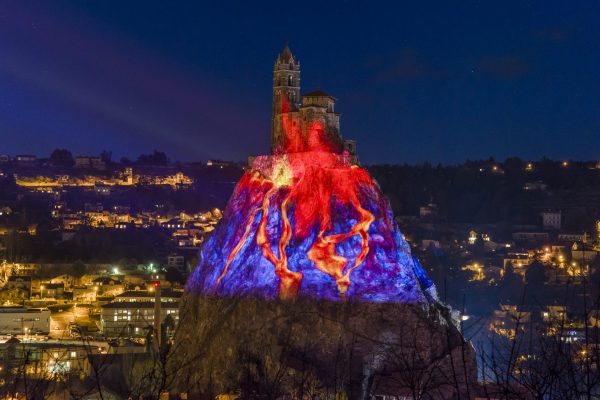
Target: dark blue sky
x,y
416,81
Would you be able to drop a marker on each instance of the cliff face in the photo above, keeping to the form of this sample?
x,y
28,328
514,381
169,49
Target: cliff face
x,y
307,288
306,348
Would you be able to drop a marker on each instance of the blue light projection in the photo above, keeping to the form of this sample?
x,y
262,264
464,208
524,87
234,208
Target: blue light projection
x,y
344,245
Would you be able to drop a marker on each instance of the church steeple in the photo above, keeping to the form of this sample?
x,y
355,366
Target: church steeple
x,y
286,91
286,54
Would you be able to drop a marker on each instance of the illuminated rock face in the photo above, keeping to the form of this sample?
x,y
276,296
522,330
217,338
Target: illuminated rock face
x,y
309,224
306,223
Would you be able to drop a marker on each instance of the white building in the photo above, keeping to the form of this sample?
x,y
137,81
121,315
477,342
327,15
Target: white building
x,y
176,261
136,318
132,312
571,237
551,219
23,321
90,162
142,296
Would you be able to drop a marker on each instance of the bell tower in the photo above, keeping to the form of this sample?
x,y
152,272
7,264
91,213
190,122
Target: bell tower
x,y
286,93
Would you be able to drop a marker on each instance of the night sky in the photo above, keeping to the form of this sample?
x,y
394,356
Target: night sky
x,y
416,81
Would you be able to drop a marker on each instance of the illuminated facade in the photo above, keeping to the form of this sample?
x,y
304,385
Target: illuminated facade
x,y
306,221
295,116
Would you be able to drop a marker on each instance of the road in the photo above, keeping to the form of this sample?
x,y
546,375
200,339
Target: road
x,y
63,317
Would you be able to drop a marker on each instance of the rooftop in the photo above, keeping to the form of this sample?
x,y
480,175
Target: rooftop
x,y
318,93
286,55
147,294
140,304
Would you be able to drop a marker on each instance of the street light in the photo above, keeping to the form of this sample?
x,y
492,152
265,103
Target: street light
x,y
42,292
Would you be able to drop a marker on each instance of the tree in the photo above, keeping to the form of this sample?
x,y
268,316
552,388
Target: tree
x,y
510,284
535,274
62,158
174,276
595,273
13,296
106,156
79,269
514,164
167,327
156,158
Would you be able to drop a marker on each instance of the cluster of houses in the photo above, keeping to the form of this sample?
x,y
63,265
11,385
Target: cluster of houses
x,y
558,321
32,178
545,261
115,302
187,229
567,256
66,325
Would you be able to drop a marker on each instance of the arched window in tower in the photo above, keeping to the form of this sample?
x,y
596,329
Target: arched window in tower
x,y
290,80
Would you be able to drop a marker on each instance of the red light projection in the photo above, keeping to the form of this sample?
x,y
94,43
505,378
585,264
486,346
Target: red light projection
x,y
309,183
310,177
313,139
306,221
